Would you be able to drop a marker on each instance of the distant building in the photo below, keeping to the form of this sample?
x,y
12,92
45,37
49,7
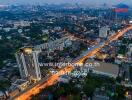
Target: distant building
x,y
21,23
111,32
46,31
2,96
103,32
0,28
27,60
67,43
7,29
0,37
130,47
57,28
20,30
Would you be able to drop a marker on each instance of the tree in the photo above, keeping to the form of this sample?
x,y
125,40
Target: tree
x,y
89,89
59,92
119,93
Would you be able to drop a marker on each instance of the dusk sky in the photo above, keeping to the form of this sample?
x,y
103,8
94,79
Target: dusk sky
x,y
65,1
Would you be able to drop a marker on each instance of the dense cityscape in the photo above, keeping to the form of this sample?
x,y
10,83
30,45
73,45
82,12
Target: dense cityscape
x,y
66,52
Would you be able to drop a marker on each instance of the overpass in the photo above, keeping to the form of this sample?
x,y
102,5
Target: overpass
x,y
26,95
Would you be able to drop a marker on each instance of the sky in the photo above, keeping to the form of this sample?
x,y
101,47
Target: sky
x,y
129,2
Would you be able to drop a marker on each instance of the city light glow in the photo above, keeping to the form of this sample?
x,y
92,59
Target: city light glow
x,y
54,78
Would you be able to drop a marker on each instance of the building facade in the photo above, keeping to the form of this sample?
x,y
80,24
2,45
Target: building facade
x,y
27,60
103,32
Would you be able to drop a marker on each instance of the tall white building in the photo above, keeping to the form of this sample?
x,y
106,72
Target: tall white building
x,y
103,32
27,60
130,47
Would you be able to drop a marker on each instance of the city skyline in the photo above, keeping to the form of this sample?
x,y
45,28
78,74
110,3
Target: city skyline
x,y
65,49
87,2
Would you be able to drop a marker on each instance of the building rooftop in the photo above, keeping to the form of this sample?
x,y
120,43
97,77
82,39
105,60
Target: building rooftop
x,y
19,81
105,68
1,93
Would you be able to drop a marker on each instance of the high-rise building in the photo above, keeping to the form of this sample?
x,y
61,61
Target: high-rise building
x,y
27,60
103,32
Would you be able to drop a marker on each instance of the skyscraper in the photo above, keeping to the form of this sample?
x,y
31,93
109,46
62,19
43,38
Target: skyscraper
x,y
27,60
103,32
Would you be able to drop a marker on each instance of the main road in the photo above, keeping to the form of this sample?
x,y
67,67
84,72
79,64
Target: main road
x,y
26,95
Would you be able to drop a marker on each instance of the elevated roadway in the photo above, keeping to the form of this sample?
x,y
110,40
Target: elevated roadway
x,y
26,95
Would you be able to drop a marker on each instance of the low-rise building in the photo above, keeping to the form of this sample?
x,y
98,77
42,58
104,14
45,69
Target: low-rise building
x,y
21,84
2,95
13,91
105,69
21,23
64,79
